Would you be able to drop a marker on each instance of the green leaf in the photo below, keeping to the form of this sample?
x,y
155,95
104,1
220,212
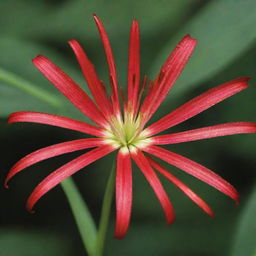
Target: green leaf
x,y
240,107
27,14
18,71
25,242
224,29
25,86
12,100
245,240
74,18
151,237
17,53
105,213
83,218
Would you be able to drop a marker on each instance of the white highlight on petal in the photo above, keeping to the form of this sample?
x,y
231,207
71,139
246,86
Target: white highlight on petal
x,y
143,143
133,149
112,143
124,150
145,133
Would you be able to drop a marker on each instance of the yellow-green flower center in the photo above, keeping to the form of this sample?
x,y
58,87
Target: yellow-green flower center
x,y
126,133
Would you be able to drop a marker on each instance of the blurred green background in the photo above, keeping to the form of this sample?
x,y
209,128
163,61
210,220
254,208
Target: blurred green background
x,y
226,49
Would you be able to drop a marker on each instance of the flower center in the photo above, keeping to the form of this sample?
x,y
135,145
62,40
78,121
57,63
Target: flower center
x,y
126,133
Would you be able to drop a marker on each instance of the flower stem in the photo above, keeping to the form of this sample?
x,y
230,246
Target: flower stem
x,y
24,85
83,218
105,213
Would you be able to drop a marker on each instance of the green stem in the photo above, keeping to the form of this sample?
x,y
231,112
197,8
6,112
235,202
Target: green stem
x,y
83,218
105,213
20,83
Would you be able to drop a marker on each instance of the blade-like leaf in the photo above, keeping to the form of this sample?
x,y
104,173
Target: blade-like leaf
x,y
245,240
224,29
81,214
20,81
42,20
30,242
105,212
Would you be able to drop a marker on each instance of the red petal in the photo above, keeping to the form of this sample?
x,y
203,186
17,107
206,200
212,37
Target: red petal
x,y
184,188
123,193
91,78
168,76
155,183
111,63
134,67
199,104
69,89
142,89
54,120
65,171
194,169
206,133
52,151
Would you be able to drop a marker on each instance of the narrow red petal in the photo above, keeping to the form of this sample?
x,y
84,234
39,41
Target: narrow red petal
x,y
205,133
111,63
69,89
54,120
65,171
184,188
155,183
199,104
52,151
123,193
91,78
167,76
194,169
134,67
142,89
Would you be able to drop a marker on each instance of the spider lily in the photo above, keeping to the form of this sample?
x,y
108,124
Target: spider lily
x,y
122,126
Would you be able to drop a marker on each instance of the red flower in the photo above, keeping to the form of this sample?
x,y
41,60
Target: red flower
x,y
125,130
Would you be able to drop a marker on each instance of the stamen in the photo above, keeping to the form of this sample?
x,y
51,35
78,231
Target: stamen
x,y
126,133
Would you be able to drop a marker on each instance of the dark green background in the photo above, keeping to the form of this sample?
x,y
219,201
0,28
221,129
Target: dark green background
x,y
226,49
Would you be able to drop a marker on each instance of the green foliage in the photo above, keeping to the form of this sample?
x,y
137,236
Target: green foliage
x,y
245,239
15,63
226,36
224,29
83,218
31,242
53,21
